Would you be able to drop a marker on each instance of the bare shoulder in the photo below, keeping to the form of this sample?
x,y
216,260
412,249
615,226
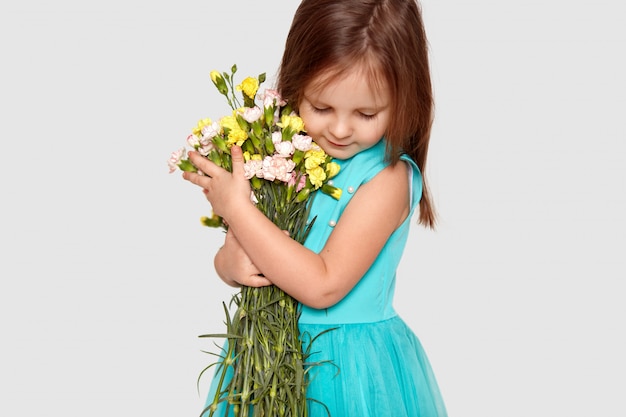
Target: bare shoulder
x,y
397,174
387,194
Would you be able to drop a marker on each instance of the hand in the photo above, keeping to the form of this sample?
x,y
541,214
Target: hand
x,y
234,266
224,190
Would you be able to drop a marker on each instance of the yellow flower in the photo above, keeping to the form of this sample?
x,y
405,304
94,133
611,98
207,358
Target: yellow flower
x,y
316,176
295,123
235,133
249,86
229,122
201,124
256,157
314,157
236,136
332,169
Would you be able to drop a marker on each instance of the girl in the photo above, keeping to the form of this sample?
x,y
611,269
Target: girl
x,y
357,72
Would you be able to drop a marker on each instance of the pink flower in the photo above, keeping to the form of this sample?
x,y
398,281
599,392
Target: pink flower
x,y
204,145
253,167
276,167
272,97
210,131
205,141
193,141
252,114
301,182
284,149
277,137
175,159
302,142
206,149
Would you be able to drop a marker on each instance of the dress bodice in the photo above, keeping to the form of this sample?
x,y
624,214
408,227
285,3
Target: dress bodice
x,y
371,299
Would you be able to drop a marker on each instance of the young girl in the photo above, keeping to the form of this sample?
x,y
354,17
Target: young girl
x,y
357,72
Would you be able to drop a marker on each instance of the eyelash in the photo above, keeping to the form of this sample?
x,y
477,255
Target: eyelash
x,y
363,115
318,110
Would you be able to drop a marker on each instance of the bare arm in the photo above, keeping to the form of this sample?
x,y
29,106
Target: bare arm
x,y
317,280
234,267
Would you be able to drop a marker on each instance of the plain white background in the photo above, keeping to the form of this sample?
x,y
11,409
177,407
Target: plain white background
x,y
107,276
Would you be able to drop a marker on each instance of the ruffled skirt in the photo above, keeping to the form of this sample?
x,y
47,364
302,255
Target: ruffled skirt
x,y
378,369
368,370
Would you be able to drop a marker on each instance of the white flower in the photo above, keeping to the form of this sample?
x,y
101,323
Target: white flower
x,y
175,159
284,149
272,97
302,142
193,141
206,149
252,114
276,167
210,131
253,167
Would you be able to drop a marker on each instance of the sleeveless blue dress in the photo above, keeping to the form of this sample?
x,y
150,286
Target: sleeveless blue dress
x,y
374,365
379,367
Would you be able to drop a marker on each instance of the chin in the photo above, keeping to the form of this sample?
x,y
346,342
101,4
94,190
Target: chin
x,y
341,154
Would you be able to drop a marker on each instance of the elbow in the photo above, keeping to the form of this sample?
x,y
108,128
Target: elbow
x,y
322,300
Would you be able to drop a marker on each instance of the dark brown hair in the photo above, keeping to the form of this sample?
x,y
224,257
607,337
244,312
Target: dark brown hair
x,y
388,38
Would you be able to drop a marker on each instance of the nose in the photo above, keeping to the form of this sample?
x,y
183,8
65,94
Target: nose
x,y
340,127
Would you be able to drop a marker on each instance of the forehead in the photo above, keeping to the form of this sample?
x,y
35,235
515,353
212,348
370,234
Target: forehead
x,y
366,80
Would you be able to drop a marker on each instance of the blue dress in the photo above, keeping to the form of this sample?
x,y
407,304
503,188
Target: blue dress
x,y
376,365
383,369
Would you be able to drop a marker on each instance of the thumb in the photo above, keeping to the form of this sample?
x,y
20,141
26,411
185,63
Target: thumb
x,y
237,159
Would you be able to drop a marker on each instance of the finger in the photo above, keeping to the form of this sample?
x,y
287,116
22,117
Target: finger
x,y
194,178
202,163
255,281
237,158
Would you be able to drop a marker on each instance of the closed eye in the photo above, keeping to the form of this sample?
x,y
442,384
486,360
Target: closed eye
x,y
320,109
323,110
368,116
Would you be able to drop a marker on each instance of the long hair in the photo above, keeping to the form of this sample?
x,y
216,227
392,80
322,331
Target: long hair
x,y
387,38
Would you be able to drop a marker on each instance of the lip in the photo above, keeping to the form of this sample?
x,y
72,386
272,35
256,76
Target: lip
x,y
337,145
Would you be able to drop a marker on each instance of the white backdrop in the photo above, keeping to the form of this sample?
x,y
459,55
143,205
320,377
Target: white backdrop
x,y
107,276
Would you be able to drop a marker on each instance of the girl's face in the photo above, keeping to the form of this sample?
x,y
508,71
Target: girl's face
x,y
346,115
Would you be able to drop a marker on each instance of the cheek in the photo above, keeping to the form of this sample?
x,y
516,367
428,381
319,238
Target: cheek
x,y
311,122
382,125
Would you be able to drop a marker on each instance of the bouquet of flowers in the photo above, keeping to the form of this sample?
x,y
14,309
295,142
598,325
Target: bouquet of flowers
x,y
263,354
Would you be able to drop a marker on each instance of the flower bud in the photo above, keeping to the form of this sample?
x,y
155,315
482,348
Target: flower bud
x,y
213,221
219,82
220,144
269,145
256,183
186,166
334,192
303,195
214,157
